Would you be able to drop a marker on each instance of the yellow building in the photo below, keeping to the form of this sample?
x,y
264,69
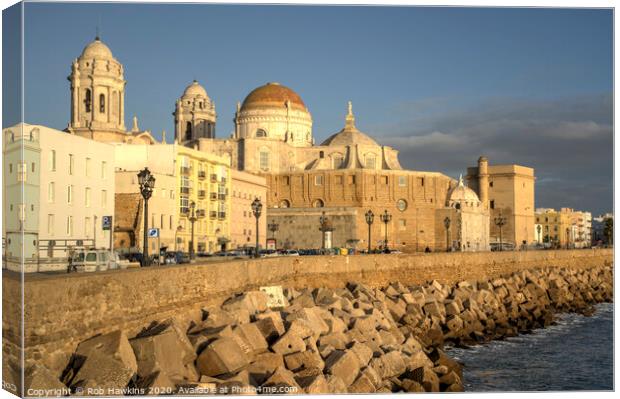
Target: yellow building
x,y
555,226
203,191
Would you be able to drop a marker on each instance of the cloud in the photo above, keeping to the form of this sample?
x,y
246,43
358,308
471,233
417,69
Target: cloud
x,y
569,142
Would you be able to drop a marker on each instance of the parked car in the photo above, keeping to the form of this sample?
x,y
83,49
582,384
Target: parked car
x,y
176,257
92,260
268,253
291,252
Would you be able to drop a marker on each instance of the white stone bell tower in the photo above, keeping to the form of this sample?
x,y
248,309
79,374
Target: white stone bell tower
x,y
97,95
194,115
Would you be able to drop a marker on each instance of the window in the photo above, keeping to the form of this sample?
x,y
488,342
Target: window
x,y
52,161
104,166
401,204
287,180
32,167
492,204
50,224
170,224
421,181
384,179
318,203
87,197
285,204
87,226
318,180
490,184
69,195
264,160
339,179
51,192
163,193
101,103
321,154
261,133
87,167
21,171
338,160
10,168
371,161
104,198
71,163
69,225
402,224
87,99
402,181
351,179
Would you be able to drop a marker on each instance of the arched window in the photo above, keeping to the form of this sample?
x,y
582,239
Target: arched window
x,y
261,133
101,103
285,204
188,131
87,99
318,203
337,160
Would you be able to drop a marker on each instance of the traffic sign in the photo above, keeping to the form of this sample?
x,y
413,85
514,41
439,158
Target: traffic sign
x,y
106,222
153,233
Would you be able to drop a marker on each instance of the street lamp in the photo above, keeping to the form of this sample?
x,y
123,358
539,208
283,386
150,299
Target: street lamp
x,y
539,228
370,218
385,218
567,237
147,183
176,240
257,208
446,223
325,226
192,219
499,222
273,227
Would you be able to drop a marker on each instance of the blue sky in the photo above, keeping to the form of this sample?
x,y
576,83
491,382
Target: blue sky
x,y
451,82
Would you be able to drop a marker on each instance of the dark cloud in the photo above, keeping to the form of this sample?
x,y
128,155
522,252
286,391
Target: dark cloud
x,y
569,141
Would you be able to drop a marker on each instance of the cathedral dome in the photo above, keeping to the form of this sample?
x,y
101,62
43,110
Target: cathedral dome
x,y
195,90
350,135
272,95
97,49
463,194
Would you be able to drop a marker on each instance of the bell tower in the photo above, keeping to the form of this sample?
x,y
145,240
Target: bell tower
x,y
97,95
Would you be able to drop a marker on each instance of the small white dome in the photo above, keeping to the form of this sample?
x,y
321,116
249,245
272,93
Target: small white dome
x,y
195,90
463,194
97,49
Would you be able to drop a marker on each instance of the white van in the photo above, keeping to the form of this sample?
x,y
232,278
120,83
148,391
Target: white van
x,y
92,260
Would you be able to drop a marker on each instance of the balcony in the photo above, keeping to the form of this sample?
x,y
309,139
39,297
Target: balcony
x,y
202,174
213,214
221,197
186,190
213,178
213,196
221,215
223,180
186,170
200,213
184,210
202,194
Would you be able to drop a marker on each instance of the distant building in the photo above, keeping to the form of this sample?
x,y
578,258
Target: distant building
x,y
564,228
245,188
508,191
68,184
598,228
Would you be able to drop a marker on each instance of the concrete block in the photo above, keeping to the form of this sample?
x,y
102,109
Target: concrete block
x,y
391,364
343,364
304,360
222,356
290,342
252,301
264,365
250,338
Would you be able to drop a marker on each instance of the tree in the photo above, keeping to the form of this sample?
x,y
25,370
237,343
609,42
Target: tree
x,y
608,230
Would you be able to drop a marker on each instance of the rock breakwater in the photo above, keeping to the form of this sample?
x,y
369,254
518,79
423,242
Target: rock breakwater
x,y
353,339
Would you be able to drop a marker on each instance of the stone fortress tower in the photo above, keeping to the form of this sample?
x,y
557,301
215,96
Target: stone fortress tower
x,y
194,115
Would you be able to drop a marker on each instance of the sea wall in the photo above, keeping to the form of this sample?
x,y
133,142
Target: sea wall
x,y
62,310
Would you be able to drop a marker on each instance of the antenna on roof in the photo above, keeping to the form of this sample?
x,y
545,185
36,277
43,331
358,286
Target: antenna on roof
x,y
98,25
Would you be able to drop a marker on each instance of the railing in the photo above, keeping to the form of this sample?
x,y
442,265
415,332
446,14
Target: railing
x,y
221,215
223,180
186,190
184,210
213,214
213,178
202,174
213,196
200,213
186,170
201,193
221,197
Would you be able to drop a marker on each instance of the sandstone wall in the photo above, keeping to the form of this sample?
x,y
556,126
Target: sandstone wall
x,y
62,310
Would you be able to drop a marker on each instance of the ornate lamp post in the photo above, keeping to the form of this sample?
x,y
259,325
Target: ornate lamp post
x,y
499,222
385,218
446,224
192,220
147,183
273,227
567,237
257,208
370,218
539,228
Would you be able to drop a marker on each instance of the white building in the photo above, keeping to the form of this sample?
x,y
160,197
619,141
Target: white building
x,y
69,186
